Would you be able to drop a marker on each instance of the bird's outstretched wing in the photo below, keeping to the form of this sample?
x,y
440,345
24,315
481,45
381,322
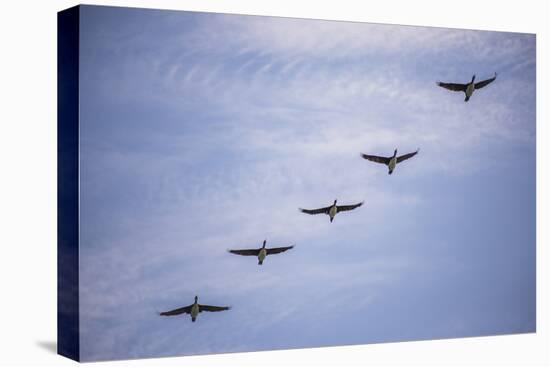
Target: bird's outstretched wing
x,y
453,86
316,211
403,157
483,83
177,311
377,159
343,208
276,250
212,308
247,252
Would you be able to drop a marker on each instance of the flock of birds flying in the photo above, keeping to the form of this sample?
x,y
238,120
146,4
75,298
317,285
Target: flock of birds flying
x,y
391,162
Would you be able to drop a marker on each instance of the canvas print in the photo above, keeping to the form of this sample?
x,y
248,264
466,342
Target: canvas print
x,y
235,183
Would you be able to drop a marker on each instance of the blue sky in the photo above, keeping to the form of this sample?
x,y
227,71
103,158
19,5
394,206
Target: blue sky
x,y
204,132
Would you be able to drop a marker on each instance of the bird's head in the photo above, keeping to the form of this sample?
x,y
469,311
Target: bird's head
x,y
264,243
395,152
473,78
335,200
196,299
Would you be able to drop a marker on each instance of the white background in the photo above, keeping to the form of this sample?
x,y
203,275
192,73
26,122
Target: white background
x,y
28,182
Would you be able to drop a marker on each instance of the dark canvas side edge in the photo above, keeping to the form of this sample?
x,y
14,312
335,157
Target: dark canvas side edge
x,y
68,336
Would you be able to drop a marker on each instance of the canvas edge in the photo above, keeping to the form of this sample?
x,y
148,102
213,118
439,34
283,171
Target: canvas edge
x,y
68,325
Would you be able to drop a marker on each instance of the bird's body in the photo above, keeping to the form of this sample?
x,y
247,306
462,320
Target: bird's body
x,y
467,88
261,253
331,210
261,256
392,161
392,164
194,309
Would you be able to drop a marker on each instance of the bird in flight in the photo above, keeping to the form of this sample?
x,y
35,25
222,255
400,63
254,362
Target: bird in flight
x,y
194,310
261,252
331,210
468,88
392,161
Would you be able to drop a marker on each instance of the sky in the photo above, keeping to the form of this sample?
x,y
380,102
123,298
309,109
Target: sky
x,y
204,132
